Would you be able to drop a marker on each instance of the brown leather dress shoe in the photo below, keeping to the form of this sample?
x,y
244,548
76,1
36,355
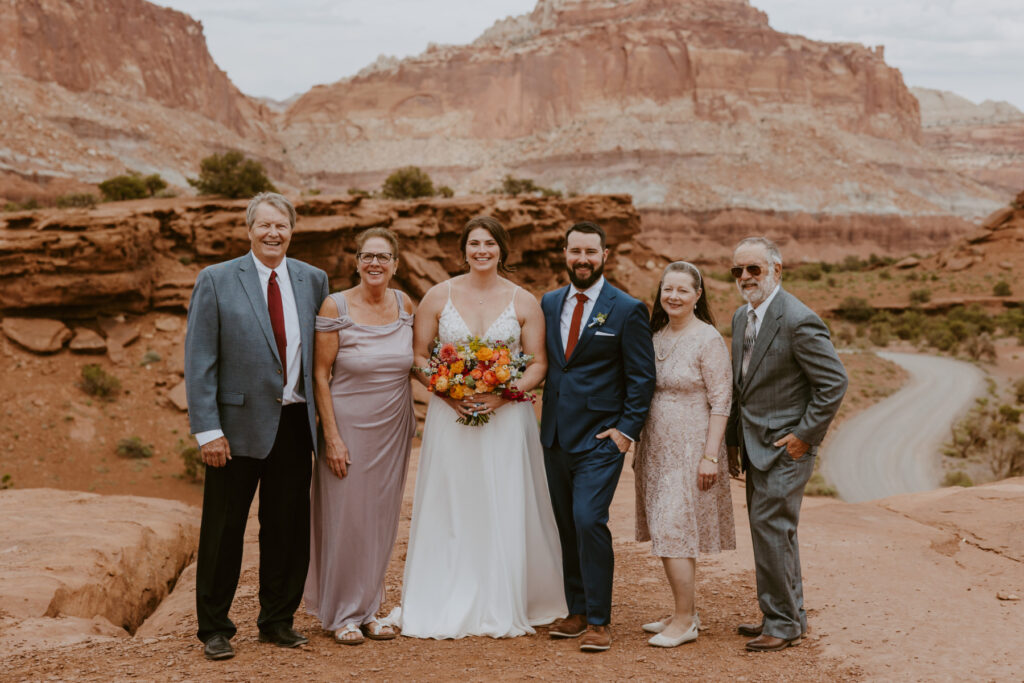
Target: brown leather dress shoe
x,y
572,626
765,643
597,639
749,630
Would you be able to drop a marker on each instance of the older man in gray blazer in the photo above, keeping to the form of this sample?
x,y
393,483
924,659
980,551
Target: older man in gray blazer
x,y
788,384
248,376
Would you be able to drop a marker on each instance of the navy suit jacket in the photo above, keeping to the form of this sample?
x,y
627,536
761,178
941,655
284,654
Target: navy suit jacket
x,y
609,379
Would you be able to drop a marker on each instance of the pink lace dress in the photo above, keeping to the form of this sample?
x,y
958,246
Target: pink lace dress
x,y
694,381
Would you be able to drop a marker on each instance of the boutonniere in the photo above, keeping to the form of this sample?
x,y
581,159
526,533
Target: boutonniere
x,y
598,320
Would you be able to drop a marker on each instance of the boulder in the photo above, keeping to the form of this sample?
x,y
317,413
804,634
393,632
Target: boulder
x,y
118,331
37,334
177,397
908,262
87,341
75,554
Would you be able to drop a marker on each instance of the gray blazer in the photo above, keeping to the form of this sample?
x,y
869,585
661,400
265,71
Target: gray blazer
x,y
232,366
794,383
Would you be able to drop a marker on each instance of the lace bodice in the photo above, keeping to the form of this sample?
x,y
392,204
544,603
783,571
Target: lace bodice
x,y
452,328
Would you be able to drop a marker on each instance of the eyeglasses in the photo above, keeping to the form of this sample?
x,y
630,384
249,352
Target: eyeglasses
x,y
753,269
367,258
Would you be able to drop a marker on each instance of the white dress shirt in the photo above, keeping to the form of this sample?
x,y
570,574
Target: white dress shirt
x,y
569,305
293,351
762,308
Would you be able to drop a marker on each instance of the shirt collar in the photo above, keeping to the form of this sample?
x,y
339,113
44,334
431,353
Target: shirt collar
x,y
592,292
264,271
762,308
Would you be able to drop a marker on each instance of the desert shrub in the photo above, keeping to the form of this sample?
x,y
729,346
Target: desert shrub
x,y
231,175
885,275
940,337
990,434
818,486
1010,321
98,382
980,347
154,184
957,478
855,309
1002,288
852,262
516,186
27,205
312,192
909,325
1018,390
408,182
192,459
134,448
446,191
355,191
920,296
880,333
807,271
129,185
6,482
86,200
149,357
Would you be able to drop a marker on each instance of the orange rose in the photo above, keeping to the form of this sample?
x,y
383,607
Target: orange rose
x,y
477,373
502,373
483,388
503,358
490,377
443,371
484,353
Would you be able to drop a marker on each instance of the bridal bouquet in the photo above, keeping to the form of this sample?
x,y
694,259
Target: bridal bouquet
x,y
475,366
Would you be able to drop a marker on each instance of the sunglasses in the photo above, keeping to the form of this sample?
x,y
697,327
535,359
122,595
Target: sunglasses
x,y
367,257
753,269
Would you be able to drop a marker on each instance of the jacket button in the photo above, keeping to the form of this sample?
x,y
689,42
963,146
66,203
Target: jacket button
x,y
278,400
279,371
565,369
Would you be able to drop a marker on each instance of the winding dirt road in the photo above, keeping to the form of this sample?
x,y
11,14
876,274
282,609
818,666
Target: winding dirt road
x,y
893,446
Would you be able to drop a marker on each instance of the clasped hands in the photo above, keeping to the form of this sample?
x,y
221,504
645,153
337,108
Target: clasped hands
x,y
477,404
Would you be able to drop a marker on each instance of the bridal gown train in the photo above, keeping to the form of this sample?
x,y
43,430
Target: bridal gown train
x,y
484,557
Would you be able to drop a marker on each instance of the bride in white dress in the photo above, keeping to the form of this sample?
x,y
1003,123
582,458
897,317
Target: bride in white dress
x,y
484,557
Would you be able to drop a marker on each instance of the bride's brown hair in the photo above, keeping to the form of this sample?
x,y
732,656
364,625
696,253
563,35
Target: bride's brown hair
x,y
498,232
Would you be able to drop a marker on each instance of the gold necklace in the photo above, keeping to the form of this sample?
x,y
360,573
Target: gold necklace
x,y
663,356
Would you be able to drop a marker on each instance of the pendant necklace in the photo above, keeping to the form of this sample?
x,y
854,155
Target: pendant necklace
x,y
679,335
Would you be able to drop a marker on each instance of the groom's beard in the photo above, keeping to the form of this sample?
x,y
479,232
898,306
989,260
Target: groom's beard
x,y
586,276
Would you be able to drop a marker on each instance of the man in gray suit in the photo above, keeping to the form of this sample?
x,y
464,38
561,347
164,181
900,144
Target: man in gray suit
x,y
248,375
788,383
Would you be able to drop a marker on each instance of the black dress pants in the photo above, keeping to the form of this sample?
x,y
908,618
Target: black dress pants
x,y
283,478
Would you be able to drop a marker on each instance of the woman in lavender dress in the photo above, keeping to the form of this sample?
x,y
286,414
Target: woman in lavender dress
x,y
364,399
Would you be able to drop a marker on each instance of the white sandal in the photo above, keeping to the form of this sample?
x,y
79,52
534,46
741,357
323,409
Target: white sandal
x,y
659,626
374,630
351,627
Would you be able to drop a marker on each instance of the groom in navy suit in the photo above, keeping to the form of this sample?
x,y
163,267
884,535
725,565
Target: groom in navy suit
x,y
599,385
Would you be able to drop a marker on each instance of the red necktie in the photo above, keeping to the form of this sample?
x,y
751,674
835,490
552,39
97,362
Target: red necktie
x,y
574,327
277,320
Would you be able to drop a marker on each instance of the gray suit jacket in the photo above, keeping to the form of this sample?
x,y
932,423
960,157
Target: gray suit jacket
x,y
794,383
232,367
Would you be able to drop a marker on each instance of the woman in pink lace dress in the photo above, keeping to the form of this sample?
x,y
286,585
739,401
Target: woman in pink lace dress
x,y
683,504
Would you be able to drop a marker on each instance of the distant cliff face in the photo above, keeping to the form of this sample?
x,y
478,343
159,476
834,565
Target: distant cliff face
x,y
692,104
983,141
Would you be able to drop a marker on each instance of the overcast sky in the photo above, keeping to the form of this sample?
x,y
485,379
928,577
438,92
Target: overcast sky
x,y
276,49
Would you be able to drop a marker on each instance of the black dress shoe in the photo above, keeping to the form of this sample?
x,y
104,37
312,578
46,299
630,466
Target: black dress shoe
x,y
218,646
284,636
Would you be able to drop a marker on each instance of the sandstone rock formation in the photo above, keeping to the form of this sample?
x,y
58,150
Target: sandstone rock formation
x,y
37,334
691,106
135,256
983,141
996,244
104,562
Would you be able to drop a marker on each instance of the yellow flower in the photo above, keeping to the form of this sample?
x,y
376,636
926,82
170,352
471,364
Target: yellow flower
x,y
457,367
484,353
457,391
503,373
441,385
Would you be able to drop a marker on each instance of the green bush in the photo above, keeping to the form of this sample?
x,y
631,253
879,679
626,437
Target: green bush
x,y
27,205
1002,288
446,191
358,192
231,175
1018,390
408,182
957,478
129,185
920,296
192,458
807,271
86,200
149,357
855,309
134,448
98,382
516,186
817,486
6,482
880,333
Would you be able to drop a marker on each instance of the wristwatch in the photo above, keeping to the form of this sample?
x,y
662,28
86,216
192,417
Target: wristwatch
x,y
713,460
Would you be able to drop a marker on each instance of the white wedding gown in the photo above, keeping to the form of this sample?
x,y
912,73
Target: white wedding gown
x,y
484,557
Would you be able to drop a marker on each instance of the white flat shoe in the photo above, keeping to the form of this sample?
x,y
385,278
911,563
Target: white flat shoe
x,y
660,640
659,626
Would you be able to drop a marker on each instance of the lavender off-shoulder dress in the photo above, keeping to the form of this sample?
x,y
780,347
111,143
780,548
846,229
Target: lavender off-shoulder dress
x,y
355,519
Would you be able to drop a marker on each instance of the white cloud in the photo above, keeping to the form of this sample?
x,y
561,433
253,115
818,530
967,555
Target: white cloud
x,y
972,47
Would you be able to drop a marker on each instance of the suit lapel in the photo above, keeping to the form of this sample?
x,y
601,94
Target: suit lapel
x,y
604,304
737,348
307,317
554,322
769,328
251,284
